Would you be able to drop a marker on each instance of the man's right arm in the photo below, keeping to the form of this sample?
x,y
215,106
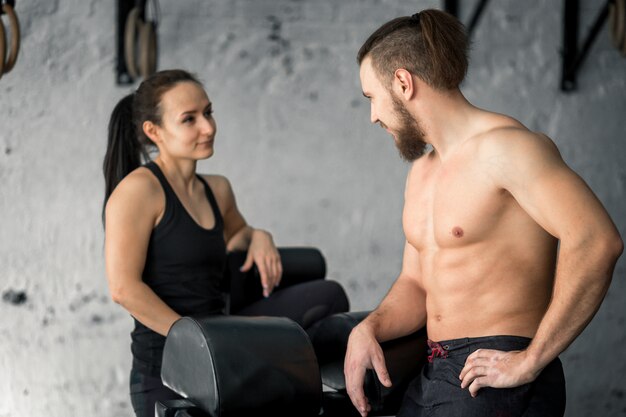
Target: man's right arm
x,y
402,312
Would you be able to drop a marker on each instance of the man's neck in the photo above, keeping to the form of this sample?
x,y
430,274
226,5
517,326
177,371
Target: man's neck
x,y
447,120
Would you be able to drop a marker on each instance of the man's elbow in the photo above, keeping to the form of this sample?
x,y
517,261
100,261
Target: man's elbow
x,y
616,246
610,247
613,246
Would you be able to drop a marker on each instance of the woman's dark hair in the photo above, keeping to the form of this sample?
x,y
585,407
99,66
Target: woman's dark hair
x,y
431,44
128,145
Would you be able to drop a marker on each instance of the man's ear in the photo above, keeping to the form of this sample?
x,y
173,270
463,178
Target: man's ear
x,y
403,83
151,130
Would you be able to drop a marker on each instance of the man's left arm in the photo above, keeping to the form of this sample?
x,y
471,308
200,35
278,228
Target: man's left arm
x,y
530,167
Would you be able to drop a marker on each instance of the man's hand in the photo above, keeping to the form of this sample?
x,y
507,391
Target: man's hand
x,y
363,353
264,254
496,369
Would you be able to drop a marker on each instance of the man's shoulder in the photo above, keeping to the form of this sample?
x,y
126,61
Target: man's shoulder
x,y
513,139
495,129
510,152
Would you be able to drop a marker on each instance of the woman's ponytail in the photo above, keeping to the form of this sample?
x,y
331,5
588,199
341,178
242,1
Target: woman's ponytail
x,y
124,151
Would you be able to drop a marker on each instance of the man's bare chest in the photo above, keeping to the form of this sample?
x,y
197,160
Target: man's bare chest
x,y
452,207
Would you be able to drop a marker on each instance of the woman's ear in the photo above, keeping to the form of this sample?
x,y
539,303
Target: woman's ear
x,y
151,130
403,83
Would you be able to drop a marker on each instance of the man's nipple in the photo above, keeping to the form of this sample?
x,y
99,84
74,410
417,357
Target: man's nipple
x,y
457,231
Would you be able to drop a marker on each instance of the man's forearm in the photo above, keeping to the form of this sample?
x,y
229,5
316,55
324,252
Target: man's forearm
x,y
582,279
402,311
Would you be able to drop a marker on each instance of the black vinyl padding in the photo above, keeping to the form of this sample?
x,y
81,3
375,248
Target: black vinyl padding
x,y
231,366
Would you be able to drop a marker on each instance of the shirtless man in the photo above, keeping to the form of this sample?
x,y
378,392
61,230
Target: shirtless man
x,y
487,211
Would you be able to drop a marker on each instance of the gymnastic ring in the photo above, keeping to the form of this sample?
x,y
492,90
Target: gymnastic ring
x,y
15,38
3,45
133,23
147,49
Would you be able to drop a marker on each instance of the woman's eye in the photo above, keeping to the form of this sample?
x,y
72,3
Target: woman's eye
x,y
188,119
208,113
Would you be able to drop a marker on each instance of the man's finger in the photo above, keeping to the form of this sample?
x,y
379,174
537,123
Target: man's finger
x,y
477,385
481,357
357,396
354,387
474,373
469,364
381,370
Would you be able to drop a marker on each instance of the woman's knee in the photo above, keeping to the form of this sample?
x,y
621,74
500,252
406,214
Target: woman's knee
x,y
338,295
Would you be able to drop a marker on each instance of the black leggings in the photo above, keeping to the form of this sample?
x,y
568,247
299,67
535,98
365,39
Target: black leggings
x,y
305,303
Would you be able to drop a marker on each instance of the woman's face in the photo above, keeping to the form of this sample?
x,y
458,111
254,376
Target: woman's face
x,y
187,127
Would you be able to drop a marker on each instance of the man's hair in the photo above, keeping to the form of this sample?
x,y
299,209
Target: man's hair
x,y
433,45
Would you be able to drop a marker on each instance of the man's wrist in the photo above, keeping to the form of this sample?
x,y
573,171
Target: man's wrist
x,y
369,326
534,361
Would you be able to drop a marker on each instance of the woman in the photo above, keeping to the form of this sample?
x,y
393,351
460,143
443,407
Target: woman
x,y
168,229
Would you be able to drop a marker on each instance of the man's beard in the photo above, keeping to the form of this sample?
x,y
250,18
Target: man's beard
x,y
410,136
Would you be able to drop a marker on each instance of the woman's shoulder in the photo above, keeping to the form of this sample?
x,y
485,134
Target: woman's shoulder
x,y
139,188
218,183
222,190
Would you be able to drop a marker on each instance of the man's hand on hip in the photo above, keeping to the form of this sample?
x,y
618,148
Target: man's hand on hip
x,y
496,369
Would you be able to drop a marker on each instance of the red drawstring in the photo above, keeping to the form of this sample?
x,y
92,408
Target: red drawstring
x,y
436,350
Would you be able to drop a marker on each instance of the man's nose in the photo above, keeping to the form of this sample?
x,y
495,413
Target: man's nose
x,y
373,115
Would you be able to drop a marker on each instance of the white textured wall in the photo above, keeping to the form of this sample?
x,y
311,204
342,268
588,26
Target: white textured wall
x,y
294,139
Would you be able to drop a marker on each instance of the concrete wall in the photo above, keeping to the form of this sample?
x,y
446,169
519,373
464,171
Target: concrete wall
x,y
294,139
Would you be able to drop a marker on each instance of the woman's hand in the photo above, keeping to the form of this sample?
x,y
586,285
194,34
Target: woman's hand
x,y
264,254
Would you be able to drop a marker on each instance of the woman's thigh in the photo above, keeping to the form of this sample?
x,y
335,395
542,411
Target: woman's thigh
x,y
304,303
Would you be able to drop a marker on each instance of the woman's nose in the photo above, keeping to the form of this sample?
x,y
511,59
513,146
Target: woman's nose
x,y
208,126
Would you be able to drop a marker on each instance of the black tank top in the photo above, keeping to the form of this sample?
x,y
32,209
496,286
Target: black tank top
x,y
184,267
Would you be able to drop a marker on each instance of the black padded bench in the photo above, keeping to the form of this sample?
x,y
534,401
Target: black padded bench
x,y
233,366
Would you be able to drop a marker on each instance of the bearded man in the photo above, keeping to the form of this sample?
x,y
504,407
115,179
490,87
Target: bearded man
x,y
508,252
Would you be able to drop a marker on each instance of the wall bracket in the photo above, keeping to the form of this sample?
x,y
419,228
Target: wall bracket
x,y
452,7
573,58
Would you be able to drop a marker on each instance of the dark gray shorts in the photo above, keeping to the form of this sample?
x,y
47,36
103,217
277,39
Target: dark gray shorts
x,y
437,391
